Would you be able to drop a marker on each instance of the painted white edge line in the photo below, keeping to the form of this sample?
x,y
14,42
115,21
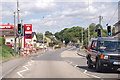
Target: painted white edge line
x,y
85,72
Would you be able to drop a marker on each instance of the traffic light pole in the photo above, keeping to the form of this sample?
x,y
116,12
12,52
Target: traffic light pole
x,y
15,33
18,9
100,20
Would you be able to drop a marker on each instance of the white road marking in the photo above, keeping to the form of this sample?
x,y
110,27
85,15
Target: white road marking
x,y
70,48
85,72
1,77
75,65
70,62
26,69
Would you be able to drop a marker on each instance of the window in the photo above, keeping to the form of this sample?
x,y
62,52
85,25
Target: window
x,y
109,45
94,45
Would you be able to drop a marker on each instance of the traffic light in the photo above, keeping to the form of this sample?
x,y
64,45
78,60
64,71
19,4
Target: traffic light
x,y
19,28
99,32
109,30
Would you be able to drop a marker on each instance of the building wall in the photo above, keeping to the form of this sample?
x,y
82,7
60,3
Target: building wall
x,y
34,42
116,28
8,39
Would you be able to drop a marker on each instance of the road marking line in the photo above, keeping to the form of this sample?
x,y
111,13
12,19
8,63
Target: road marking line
x,y
20,74
1,77
70,62
26,69
70,48
75,65
85,72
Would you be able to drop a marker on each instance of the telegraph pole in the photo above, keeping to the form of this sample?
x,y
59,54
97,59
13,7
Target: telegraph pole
x,y
88,25
18,9
18,17
15,33
82,36
100,20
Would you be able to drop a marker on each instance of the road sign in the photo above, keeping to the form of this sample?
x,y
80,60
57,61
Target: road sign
x,y
6,27
28,28
28,34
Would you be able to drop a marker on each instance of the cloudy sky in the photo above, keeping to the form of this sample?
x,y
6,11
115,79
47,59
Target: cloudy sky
x,y
55,15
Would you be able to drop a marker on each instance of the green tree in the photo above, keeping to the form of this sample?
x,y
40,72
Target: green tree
x,y
48,34
39,36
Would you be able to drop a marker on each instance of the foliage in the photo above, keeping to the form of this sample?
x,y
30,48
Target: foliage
x,y
7,52
39,36
47,33
2,41
75,33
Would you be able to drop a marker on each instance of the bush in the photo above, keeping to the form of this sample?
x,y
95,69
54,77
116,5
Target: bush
x,y
2,41
7,52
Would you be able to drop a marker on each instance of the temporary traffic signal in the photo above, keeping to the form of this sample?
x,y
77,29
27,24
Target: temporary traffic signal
x,y
19,28
109,30
99,32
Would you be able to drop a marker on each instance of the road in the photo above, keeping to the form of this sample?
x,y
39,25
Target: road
x,y
61,63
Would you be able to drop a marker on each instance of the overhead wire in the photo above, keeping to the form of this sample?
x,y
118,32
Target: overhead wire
x,y
112,16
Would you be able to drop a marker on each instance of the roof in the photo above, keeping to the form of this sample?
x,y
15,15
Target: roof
x,y
33,33
105,39
116,24
7,33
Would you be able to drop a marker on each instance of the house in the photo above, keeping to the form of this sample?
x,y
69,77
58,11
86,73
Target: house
x,y
117,30
34,39
7,31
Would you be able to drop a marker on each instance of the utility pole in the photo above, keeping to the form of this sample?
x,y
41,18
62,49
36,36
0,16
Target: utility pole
x,y
18,17
82,36
15,33
88,25
100,20
18,9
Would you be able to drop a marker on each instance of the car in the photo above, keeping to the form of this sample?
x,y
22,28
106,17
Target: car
x,y
104,54
56,46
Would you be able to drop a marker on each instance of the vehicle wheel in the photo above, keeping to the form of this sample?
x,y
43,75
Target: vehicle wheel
x,y
89,64
98,67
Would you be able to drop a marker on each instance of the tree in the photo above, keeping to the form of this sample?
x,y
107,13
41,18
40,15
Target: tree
x,y
113,30
48,34
39,36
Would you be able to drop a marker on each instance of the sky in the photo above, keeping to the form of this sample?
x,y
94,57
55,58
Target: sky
x,y
55,15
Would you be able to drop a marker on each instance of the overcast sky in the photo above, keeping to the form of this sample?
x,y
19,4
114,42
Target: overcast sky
x,y
55,15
